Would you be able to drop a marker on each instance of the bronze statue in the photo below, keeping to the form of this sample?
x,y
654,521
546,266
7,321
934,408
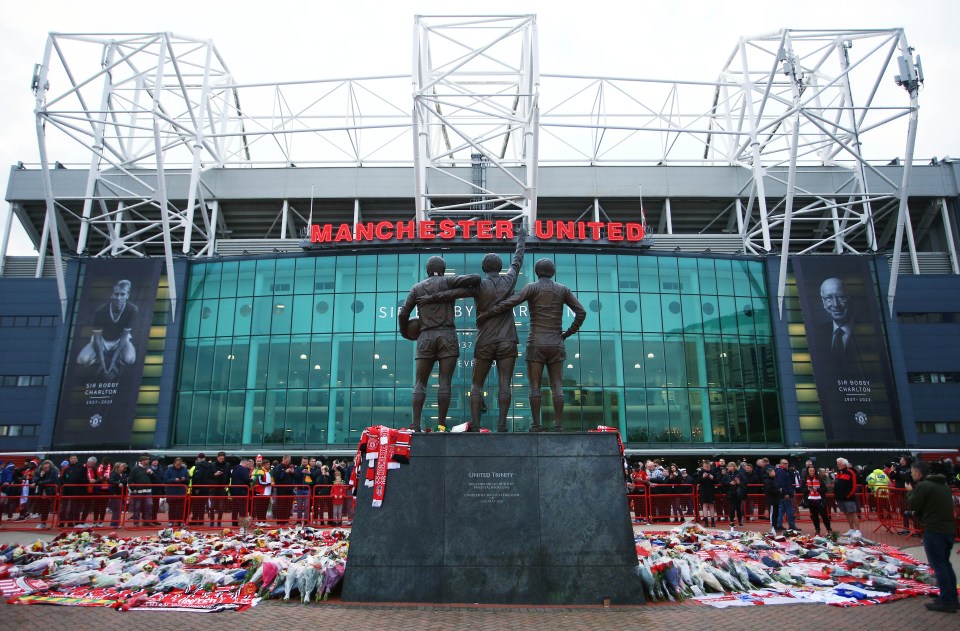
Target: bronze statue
x,y
545,341
435,333
496,337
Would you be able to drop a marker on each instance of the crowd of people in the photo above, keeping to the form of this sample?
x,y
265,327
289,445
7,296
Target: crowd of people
x,y
730,491
198,495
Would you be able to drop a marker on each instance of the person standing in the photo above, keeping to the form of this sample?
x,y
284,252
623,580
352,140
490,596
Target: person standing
x,y
141,491
321,494
902,479
845,490
814,489
772,494
88,502
752,484
706,490
240,489
304,481
785,484
200,480
338,494
545,342
284,479
931,502
176,479
102,489
71,477
262,489
45,483
219,479
638,479
118,486
736,488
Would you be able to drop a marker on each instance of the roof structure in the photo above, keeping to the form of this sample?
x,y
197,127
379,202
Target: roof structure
x,y
149,146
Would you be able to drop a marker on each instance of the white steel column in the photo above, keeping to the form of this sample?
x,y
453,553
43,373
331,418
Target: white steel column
x,y
284,215
947,229
668,213
50,221
756,158
162,180
8,225
791,71
911,82
198,141
214,218
116,241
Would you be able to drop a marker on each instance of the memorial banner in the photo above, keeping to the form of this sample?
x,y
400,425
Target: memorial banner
x,y
848,349
105,365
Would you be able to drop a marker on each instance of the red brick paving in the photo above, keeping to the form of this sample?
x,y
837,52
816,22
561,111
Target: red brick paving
x,y
904,614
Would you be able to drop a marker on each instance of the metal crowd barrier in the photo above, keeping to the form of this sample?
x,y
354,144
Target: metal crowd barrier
x,y
76,506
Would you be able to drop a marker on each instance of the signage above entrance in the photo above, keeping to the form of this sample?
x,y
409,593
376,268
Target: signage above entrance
x,y
473,230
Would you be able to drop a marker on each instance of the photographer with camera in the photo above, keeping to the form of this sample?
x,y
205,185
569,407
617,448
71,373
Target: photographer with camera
x,y
931,502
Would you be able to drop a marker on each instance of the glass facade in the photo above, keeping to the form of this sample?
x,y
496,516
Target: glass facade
x,y
304,351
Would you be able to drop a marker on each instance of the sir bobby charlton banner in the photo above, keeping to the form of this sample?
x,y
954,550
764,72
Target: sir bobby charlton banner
x,y
105,365
851,365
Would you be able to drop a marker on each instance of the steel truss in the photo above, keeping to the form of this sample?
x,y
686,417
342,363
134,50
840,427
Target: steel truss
x,y
475,98
153,114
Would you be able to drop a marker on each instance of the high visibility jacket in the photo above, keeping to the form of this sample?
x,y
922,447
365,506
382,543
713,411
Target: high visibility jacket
x,y
878,481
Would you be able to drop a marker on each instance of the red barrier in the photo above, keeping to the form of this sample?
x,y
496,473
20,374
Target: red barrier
x,y
86,506
639,505
890,514
284,507
671,503
206,506
35,507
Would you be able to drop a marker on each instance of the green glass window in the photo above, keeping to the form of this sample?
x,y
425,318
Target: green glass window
x,y
366,274
196,285
707,276
229,279
247,278
672,313
263,284
630,318
586,272
304,350
304,275
652,316
724,277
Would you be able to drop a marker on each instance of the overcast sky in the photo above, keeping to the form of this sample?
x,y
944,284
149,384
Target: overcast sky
x,y
284,40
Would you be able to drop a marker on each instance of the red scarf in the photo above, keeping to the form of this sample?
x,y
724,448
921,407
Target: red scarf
x,y
103,472
91,477
813,489
386,446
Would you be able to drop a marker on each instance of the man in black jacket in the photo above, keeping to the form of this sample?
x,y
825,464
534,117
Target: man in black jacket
x,y
72,475
284,477
140,484
219,479
240,489
932,503
200,479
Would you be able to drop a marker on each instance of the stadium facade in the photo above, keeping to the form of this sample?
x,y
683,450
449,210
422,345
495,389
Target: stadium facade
x,y
266,254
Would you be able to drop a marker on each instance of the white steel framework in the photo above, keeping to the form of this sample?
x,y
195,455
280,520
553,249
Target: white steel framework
x,y
475,98
151,115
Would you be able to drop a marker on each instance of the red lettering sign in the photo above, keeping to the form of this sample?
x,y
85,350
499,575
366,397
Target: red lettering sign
x,y
483,229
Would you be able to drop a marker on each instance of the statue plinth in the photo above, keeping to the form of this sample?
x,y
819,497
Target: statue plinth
x,y
500,519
